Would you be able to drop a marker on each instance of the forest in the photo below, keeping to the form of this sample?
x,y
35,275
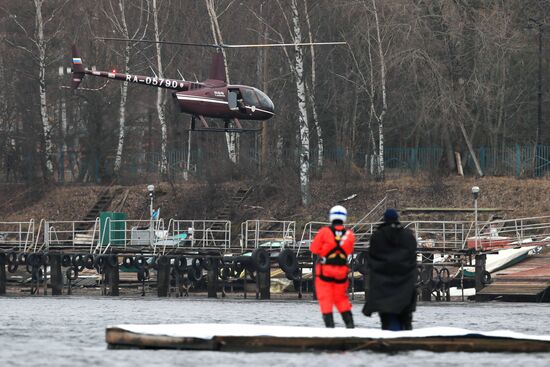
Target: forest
x,y
448,87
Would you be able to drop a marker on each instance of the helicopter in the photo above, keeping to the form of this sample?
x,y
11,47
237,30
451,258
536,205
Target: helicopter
x,y
213,97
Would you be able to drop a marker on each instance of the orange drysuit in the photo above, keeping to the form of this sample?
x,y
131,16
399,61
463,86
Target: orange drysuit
x,y
333,244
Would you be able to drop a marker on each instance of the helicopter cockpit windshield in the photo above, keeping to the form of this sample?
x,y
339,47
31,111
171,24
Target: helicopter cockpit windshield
x,y
255,97
265,102
249,97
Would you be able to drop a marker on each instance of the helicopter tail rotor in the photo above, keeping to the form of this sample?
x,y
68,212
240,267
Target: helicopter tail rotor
x,y
78,69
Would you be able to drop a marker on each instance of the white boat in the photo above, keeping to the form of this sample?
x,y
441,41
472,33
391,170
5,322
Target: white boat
x,y
503,258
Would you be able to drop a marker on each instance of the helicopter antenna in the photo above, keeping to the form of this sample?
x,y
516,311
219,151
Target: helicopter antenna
x,y
181,76
153,71
223,45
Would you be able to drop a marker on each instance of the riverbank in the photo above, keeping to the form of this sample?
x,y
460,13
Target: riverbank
x,y
278,199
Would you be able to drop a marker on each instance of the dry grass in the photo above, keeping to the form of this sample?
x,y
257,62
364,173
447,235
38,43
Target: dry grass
x,y
278,198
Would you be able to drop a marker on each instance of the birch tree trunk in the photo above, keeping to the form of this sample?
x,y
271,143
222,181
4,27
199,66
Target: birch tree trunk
x,y
63,150
470,148
232,139
262,80
302,111
372,109
384,103
161,100
122,118
311,95
123,92
279,150
46,126
120,26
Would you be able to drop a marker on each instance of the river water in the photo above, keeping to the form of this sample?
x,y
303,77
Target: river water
x,y
70,331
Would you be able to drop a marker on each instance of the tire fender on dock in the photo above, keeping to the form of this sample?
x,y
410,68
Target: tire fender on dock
x,y
287,261
260,260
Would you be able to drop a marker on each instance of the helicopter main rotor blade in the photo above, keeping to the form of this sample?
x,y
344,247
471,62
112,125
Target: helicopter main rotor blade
x,y
164,42
285,44
218,46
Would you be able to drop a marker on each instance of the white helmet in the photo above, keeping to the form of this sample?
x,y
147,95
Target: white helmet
x,y
338,212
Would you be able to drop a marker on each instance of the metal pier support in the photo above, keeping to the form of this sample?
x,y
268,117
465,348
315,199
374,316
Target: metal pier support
x,y
427,269
480,270
112,275
2,273
56,275
264,284
366,284
212,280
163,276
314,261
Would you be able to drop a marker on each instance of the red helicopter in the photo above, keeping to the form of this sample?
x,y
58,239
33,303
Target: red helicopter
x,y
212,97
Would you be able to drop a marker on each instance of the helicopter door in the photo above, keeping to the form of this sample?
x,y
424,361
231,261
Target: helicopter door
x,y
232,100
235,100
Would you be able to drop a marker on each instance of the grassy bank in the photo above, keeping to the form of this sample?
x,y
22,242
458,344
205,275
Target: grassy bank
x,y
279,199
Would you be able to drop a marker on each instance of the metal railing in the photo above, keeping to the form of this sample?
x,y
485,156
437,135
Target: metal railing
x,y
124,234
363,228
519,231
155,236
362,234
460,235
270,233
98,238
137,234
16,235
445,236
202,234
68,235
37,237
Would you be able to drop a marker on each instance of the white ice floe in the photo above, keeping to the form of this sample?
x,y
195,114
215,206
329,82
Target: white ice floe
x,y
208,331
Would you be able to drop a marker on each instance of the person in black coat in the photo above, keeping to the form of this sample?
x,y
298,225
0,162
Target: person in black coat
x,y
392,275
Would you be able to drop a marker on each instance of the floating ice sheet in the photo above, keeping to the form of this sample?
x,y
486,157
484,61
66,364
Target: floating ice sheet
x,y
209,331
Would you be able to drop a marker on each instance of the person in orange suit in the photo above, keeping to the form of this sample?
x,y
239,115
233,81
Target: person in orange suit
x,y
333,244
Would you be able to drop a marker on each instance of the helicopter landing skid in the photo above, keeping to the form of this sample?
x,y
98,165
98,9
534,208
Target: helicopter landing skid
x,y
225,129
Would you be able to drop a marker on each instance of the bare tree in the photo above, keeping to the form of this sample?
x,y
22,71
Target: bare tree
x,y
459,75
299,79
161,96
231,138
380,116
311,94
118,20
41,42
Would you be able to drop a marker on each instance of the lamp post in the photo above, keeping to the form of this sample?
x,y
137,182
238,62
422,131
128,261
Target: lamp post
x,y
151,191
63,72
475,193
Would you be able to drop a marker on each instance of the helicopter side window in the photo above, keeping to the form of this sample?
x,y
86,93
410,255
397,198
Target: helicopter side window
x,y
232,100
240,101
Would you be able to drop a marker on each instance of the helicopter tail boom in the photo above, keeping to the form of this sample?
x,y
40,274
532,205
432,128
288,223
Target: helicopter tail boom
x,y
78,69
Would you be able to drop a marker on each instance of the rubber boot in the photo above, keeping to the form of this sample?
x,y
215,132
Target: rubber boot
x,y
348,319
328,319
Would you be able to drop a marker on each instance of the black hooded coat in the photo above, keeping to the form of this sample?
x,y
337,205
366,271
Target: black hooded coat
x,y
391,270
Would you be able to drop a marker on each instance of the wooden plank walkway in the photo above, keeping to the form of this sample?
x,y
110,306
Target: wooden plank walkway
x,y
527,280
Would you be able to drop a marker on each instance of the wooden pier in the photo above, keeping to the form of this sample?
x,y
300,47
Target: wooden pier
x,y
528,280
265,338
